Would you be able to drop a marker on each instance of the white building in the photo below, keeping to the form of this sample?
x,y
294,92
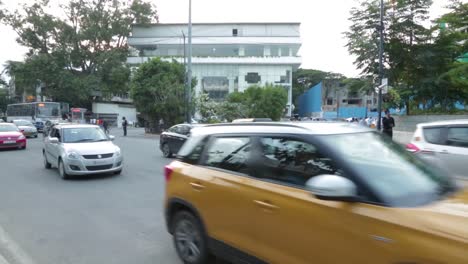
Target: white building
x,y
226,57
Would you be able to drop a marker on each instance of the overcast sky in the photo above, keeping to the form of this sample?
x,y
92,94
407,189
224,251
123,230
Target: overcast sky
x,y
322,25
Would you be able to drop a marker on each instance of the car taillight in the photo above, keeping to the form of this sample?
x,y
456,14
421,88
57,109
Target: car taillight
x,y
412,148
168,172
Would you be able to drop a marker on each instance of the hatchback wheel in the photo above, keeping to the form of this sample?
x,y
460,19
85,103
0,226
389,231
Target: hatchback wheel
x,y
189,239
47,165
62,172
166,151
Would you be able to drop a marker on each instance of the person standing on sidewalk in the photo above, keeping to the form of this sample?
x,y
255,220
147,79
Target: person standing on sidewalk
x,y
124,125
388,123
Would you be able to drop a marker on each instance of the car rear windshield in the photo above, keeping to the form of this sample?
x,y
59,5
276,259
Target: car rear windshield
x,y
83,134
8,128
399,178
23,123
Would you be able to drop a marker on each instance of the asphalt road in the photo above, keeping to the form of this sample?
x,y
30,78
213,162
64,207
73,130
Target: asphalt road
x,y
96,220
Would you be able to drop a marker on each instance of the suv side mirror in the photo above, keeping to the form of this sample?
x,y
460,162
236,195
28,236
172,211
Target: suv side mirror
x,y
54,140
332,187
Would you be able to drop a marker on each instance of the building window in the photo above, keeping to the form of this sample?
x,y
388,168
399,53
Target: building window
x,y
354,101
217,88
345,101
329,101
369,102
235,32
252,77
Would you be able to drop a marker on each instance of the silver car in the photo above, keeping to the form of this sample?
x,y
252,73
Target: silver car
x,y
443,143
26,127
81,150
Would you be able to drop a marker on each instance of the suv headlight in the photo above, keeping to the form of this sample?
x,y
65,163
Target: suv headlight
x,y
73,155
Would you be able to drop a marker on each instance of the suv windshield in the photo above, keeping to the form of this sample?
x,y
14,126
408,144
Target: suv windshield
x,y
83,134
8,128
396,176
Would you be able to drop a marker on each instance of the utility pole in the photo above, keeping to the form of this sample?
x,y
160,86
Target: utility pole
x,y
186,109
381,28
189,66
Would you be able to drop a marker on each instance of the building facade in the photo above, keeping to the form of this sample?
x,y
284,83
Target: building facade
x,y
226,57
332,99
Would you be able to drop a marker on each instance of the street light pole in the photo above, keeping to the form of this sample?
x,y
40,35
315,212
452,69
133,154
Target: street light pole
x,y
189,66
381,28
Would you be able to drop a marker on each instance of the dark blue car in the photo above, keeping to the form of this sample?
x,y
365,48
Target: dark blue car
x,y
40,126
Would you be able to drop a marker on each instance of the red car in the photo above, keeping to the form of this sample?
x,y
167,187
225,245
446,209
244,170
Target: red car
x,y
11,137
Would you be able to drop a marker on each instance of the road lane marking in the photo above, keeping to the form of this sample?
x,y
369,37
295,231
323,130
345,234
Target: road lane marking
x,y
11,252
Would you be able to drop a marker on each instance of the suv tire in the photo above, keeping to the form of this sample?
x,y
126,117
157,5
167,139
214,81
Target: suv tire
x,y
47,165
189,238
166,150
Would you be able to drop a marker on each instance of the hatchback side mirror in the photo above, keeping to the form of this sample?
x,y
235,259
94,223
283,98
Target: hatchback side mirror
x,y
112,138
332,187
54,140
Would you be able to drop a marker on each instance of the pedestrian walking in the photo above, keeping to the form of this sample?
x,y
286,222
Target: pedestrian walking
x,y
105,125
124,125
388,123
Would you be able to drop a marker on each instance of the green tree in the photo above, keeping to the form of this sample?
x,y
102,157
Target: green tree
x,y
158,91
80,52
268,102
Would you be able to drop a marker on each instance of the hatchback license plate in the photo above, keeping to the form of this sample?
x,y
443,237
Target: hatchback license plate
x,y
9,142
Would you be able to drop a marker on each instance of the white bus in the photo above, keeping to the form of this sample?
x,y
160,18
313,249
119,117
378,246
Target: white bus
x,y
36,112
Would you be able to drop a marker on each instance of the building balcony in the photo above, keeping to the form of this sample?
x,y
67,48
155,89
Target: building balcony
x,y
286,60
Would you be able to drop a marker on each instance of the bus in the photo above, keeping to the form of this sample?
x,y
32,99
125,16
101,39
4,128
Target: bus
x,y
78,115
37,111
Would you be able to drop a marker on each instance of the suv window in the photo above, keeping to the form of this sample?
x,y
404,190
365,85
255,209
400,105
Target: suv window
x,y
458,136
172,129
291,161
192,149
229,153
432,134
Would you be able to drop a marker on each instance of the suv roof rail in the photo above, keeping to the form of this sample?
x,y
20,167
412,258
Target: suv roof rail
x,y
254,124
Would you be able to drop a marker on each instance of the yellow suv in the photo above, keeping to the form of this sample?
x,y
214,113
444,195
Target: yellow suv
x,y
301,193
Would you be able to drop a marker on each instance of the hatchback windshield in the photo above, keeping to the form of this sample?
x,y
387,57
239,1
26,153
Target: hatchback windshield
x,y
83,134
8,128
398,177
23,123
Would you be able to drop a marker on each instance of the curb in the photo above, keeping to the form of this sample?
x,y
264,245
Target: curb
x,y
10,251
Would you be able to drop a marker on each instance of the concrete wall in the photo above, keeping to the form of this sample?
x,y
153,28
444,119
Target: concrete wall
x,y
408,123
129,111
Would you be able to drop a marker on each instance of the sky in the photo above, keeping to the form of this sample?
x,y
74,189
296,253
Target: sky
x,y
322,25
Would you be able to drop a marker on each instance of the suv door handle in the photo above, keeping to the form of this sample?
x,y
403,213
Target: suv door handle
x,y
266,205
197,186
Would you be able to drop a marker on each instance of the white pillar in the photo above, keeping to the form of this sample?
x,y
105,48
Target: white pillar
x,y
266,51
231,84
290,93
279,52
290,52
241,51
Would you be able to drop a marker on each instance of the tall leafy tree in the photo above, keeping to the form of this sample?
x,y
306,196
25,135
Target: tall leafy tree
x,y
82,50
158,91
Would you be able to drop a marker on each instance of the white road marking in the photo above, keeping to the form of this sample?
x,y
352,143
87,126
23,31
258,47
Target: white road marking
x,y
11,252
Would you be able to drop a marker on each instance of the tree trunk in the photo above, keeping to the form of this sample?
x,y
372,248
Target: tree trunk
x,y
407,104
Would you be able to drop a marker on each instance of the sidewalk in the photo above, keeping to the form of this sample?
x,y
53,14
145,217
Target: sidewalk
x,y
134,132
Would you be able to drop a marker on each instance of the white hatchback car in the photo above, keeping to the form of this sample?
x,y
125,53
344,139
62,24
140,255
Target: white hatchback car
x,y
81,150
444,144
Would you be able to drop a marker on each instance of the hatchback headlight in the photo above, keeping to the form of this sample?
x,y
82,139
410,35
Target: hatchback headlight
x,y
21,137
73,155
118,153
